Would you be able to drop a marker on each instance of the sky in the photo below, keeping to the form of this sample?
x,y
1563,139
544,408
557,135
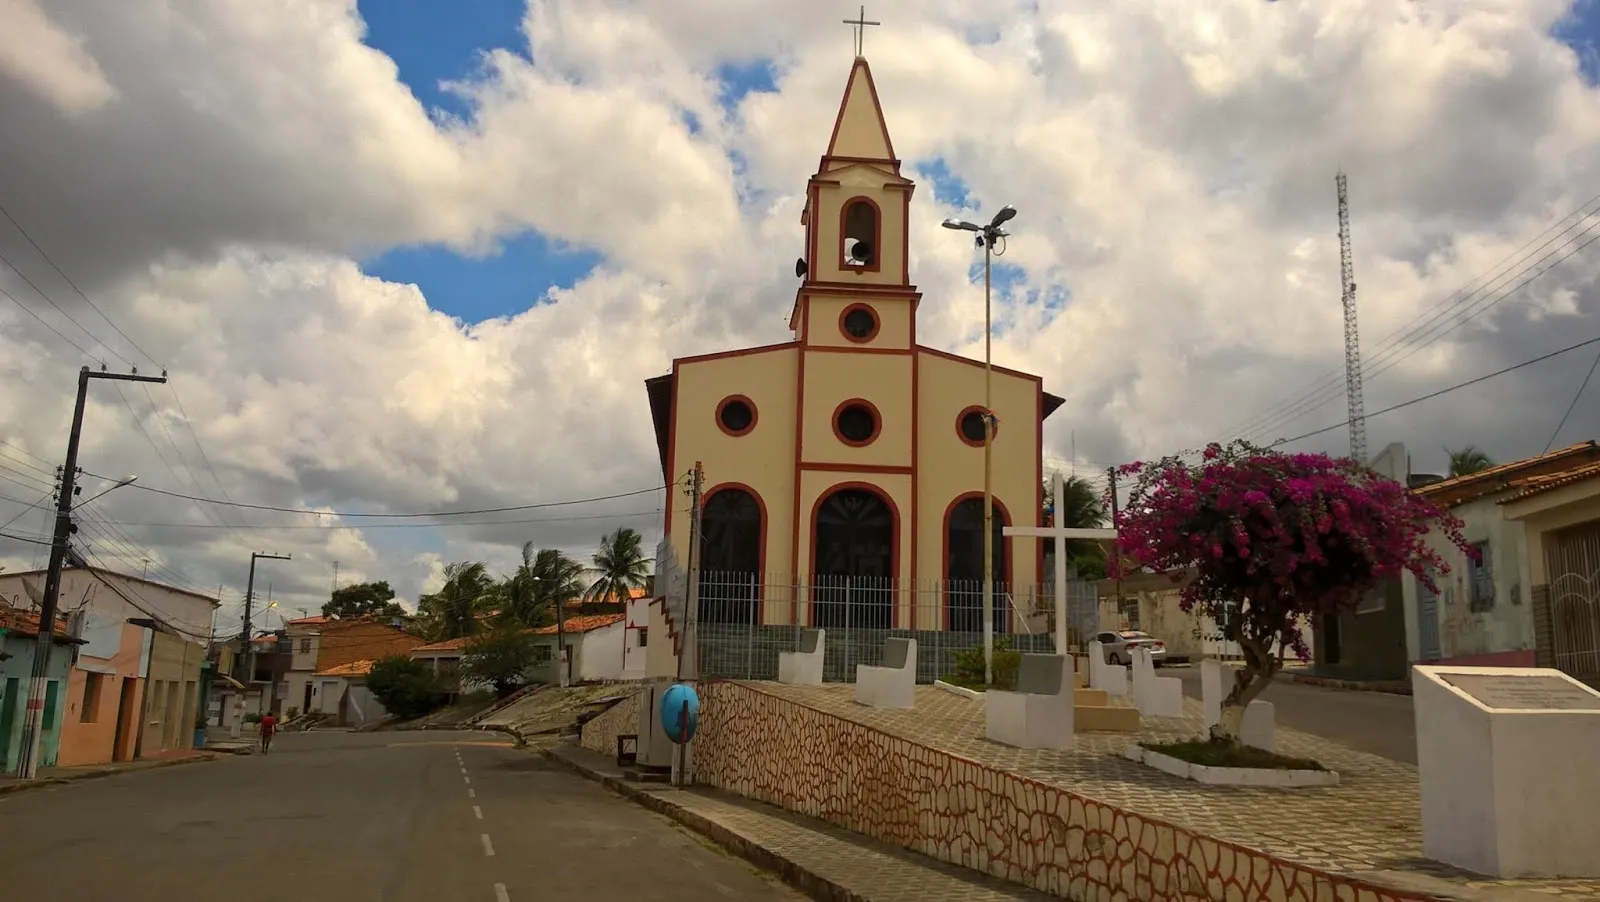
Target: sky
x,y
412,256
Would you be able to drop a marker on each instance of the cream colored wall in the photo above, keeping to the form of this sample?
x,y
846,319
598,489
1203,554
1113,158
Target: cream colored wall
x,y
1550,511
762,459
822,327
884,380
949,467
861,180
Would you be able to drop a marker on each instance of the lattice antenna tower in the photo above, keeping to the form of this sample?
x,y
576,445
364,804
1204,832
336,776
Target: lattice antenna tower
x,y
1352,335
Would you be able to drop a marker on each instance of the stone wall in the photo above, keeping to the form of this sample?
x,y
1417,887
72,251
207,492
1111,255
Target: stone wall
x,y
600,734
950,808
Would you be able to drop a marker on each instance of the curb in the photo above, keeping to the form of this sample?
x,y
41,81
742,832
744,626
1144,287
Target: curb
x,y
806,881
1387,687
465,728
9,788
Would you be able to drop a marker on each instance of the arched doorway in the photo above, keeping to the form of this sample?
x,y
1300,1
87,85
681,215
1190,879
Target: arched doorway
x,y
732,531
853,552
963,528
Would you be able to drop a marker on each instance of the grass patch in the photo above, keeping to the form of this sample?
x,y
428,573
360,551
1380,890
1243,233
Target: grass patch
x,y
1212,753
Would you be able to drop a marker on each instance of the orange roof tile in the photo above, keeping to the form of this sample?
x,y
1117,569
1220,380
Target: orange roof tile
x,y
446,645
1503,477
352,669
25,622
1534,485
582,624
310,621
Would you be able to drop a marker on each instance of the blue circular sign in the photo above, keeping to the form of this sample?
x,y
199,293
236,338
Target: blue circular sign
x,y
680,712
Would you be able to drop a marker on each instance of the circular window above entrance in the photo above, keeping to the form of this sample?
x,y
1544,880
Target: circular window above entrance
x,y
736,415
856,422
969,426
859,323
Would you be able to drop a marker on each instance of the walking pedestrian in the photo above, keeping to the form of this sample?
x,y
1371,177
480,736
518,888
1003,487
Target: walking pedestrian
x,y
269,726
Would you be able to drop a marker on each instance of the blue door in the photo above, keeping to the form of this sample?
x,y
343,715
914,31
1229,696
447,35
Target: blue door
x,y
1428,648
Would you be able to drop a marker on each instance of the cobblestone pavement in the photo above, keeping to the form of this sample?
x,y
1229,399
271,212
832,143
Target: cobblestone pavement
x,y
1369,825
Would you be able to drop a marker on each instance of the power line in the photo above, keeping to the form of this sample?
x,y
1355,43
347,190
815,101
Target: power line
x,y
1444,391
26,309
25,452
301,510
1570,407
363,526
61,310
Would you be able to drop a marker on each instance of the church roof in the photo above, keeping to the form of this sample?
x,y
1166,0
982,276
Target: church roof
x,y
859,132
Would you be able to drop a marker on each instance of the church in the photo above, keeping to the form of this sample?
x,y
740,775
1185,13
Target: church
x,y
850,458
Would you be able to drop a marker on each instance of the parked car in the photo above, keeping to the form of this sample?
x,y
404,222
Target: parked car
x,y
1118,646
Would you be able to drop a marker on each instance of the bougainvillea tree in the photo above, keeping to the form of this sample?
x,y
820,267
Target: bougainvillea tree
x,y
1268,540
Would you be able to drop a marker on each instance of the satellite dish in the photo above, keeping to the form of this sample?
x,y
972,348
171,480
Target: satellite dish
x,y
861,253
800,268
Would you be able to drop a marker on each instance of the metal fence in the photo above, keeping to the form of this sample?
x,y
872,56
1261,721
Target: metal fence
x,y
746,619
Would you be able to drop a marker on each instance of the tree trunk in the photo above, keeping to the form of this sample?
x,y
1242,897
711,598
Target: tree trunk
x,y
1258,670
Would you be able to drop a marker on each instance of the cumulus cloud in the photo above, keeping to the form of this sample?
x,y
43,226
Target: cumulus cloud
x,y
1174,272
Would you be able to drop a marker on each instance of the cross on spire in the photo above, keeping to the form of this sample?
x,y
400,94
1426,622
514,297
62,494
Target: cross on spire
x,y
859,26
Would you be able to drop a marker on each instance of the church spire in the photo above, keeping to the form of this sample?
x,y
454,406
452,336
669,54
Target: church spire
x,y
859,133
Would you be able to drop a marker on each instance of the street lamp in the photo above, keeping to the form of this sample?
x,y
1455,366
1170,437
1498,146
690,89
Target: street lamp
x,y
986,236
126,480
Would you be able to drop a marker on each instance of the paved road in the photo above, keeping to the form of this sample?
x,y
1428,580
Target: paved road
x,y
1374,722
399,817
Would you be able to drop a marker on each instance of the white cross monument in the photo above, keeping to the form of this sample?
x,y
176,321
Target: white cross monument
x,y
1061,534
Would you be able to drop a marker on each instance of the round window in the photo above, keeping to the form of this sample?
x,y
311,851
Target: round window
x,y
736,415
859,323
969,425
856,423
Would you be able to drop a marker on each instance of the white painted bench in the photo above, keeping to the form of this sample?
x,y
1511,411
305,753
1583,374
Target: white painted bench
x,y
1155,696
893,684
1112,678
803,667
1039,714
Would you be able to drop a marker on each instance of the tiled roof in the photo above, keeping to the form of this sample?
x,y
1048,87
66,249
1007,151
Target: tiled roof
x,y
1534,485
25,623
310,621
581,624
1510,476
446,645
352,669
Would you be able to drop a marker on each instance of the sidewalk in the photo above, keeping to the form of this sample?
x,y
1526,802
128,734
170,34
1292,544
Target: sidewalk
x,y
54,776
818,859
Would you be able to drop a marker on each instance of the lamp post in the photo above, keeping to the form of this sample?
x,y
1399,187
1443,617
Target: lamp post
x,y
985,239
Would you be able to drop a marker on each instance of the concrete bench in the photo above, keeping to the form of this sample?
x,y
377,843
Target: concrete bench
x,y
803,667
893,684
1111,678
1155,696
1039,714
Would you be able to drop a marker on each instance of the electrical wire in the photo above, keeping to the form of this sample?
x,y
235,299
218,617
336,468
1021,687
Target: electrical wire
x,y
1570,407
28,310
365,526
301,510
1443,391
61,310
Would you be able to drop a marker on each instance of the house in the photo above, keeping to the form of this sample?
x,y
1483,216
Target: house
x,y
445,659
599,647
342,692
19,638
846,465
321,644
117,704
1514,514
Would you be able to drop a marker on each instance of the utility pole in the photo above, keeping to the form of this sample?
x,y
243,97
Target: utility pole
x,y
1352,336
245,654
691,612
32,723
335,578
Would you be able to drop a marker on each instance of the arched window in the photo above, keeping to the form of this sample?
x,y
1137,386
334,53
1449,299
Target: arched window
x,y
853,544
859,233
732,529
964,566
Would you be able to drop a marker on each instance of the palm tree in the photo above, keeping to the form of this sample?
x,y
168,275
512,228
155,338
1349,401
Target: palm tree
x,y
620,566
1468,460
1081,508
452,612
552,579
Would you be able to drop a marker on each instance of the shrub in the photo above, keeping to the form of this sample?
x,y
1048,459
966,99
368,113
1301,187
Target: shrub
x,y
968,670
501,658
407,688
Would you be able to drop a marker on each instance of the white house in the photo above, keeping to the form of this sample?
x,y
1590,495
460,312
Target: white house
x,y
342,693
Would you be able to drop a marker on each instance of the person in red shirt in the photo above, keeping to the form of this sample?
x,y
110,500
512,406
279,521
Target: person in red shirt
x,y
269,725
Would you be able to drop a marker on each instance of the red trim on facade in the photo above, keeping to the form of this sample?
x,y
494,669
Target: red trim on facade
x,y
978,409
761,563
672,450
877,422
741,352
821,286
894,549
836,159
755,415
877,322
840,349
916,427
970,362
1038,479
821,466
877,235
799,444
1009,558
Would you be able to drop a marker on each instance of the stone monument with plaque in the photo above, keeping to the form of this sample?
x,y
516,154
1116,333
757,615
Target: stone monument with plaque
x,y
1505,757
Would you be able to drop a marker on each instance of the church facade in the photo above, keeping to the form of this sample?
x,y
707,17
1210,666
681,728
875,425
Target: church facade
x,y
847,463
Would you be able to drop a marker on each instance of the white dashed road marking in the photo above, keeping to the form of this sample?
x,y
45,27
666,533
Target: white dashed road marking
x,y
472,793
488,847
500,894
477,812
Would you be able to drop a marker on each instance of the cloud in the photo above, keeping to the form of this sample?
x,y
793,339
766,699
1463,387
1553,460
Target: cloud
x,y
1174,272
51,62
